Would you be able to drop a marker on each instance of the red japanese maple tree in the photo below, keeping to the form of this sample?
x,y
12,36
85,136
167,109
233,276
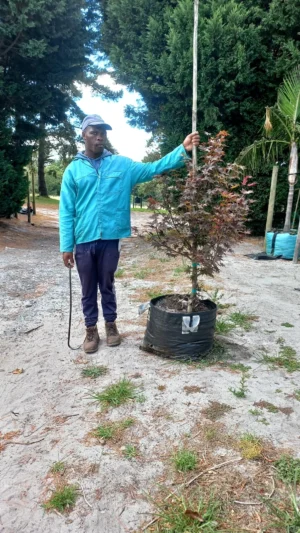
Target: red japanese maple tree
x,y
205,212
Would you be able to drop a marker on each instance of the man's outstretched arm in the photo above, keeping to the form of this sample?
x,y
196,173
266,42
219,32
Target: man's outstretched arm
x,y
141,172
66,218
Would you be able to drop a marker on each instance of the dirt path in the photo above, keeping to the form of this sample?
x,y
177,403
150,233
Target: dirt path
x,y
46,414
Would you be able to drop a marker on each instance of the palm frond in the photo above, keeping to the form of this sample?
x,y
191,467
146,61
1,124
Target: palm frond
x,y
289,96
265,150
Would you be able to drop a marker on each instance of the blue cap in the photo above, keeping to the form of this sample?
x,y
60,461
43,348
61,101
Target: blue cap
x,y
94,120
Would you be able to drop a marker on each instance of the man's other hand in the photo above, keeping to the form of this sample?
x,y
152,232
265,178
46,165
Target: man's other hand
x,y
193,139
68,259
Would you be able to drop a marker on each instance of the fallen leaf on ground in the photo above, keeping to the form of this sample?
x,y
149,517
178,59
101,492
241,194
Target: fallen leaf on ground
x,y
194,515
18,371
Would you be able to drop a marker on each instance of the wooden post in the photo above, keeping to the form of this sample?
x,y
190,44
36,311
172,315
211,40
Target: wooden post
x,y
272,197
297,247
195,79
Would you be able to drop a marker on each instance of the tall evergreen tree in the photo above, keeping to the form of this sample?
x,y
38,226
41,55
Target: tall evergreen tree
x,y
44,49
244,50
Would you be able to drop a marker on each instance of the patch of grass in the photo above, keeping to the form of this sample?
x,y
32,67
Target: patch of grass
x,y
127,423
255,412
250,446
130,451
119,273
142,274
278,391
94,371
241,392
263,421
218,353
296,394
270,407
152,293
161,387
288,469
287,325
58,467
179,270
216,296
223,326
111,429
106,431
239,366
116,394
184,460
286,358
216,410
259,417
210,433
188,516
62,499
287,517
46,200
243,320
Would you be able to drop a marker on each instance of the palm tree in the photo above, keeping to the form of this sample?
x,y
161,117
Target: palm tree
x,y
282,131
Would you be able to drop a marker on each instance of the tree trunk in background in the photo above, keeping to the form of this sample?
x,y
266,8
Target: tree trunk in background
x,y
41,159
293,168
297,247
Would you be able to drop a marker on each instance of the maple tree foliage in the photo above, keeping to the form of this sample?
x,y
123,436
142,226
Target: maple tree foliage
x,y
205,212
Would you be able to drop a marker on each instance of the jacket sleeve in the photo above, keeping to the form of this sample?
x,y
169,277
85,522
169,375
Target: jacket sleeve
x,y
67,212
141,172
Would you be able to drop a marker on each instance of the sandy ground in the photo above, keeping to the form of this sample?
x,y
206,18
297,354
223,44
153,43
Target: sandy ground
x,y
46,414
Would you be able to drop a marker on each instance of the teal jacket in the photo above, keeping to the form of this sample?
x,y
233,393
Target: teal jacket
x,y
95,203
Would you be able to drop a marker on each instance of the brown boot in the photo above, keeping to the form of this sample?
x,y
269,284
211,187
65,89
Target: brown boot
x,y
112,335
91,340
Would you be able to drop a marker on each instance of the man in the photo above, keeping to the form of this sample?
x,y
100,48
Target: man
x,y
94,214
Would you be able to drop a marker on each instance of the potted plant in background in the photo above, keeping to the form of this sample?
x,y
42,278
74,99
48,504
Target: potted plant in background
x,y
282,135
204,217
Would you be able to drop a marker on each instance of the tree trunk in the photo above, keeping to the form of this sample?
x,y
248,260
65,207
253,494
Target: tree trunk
x,y
33,190
41,159
293,169
296,209
297,247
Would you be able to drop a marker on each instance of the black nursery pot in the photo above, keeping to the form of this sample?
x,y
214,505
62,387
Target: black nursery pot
x,y
185,336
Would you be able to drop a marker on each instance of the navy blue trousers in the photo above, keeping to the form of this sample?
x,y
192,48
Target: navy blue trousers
x,y
96,263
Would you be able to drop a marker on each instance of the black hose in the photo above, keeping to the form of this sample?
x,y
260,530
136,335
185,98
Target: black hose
x,y
70,311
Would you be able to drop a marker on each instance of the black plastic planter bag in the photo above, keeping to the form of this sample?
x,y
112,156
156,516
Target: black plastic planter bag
x,y
185,336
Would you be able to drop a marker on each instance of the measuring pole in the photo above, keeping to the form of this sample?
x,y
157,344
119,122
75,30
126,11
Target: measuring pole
x,y
195,79
194,128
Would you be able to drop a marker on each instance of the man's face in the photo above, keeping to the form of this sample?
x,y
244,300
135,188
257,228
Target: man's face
x,y
94,138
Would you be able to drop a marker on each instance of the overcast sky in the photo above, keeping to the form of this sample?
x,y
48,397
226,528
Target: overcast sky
x,y
129,141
